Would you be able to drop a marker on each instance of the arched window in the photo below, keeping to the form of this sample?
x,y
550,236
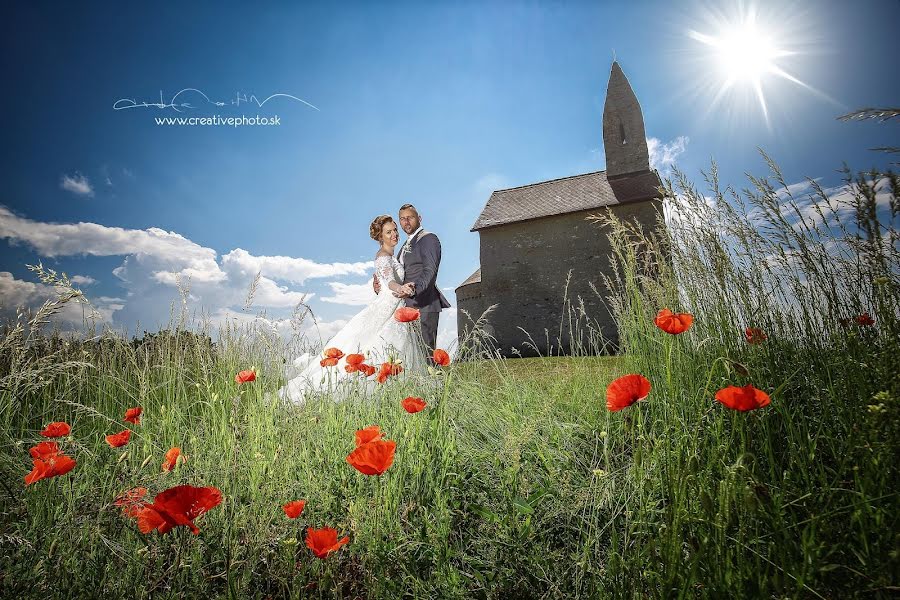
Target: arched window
x,y
622,132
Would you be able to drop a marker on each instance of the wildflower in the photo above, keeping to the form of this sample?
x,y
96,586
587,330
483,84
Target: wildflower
x,y
245,376
864,319
673,323
48,461
626,390
441,357
412,405
44,450
333,353
354,363
328,362
172,459
405,314
324,541
117,440
293,509
56,429
742,398
373,458
389,369
369,434
367,369
133,415
176,506
131,501
755,335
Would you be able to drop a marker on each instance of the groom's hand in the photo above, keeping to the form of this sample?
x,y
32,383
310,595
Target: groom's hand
x,y
375,285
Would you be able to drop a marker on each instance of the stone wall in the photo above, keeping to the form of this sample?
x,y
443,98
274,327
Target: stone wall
x,y
524,267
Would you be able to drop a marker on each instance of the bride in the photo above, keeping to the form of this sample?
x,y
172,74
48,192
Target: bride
x,y
373,332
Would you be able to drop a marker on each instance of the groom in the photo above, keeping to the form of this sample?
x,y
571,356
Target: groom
x,y
421,258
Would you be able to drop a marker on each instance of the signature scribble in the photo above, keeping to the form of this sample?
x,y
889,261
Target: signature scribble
x,y
124,103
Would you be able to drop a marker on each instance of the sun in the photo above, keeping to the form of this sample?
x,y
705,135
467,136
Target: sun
x,y
745,55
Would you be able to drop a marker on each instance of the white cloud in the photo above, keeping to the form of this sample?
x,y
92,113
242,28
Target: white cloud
x,y
351,295
77,184
663,155
294,270
447,332
155,262
82,280
17,293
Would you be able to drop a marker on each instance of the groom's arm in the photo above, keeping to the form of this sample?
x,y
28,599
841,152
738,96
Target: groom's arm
x,y
429,247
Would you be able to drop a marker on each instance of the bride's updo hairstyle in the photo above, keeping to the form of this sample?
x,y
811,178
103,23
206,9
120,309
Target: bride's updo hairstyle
x,y
377,225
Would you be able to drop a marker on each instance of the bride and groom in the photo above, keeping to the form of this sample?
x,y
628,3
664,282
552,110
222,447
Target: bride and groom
x,y
408,279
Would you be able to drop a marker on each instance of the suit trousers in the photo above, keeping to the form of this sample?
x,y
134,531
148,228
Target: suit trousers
x,y
429,322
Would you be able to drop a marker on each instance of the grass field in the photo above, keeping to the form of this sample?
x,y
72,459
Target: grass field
x,y
516,481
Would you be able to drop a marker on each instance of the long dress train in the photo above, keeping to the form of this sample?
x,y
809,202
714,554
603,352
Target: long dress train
x,y
373,332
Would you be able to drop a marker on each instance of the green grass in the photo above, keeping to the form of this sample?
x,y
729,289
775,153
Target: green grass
x,y
516,481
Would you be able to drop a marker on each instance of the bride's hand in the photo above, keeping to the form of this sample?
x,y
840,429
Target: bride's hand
x,y
375,285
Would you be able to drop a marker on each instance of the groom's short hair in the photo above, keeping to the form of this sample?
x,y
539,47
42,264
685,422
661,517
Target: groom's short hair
x,y
409,207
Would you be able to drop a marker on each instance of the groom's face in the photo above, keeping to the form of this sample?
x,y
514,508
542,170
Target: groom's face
x,y
409,220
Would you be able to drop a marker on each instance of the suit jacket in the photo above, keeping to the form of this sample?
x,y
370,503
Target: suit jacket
x,y
421,260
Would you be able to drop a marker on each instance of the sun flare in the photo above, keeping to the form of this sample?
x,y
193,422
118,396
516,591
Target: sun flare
x,y
744,54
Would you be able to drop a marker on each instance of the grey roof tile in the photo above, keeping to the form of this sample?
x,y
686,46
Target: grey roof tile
x,y
565,195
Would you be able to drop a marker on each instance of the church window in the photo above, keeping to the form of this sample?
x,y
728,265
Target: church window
x,y
622,132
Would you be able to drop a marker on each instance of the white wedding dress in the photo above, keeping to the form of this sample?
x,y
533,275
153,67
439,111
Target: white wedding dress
x,y
373,332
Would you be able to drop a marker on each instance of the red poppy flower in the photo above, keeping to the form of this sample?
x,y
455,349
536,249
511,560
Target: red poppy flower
x,y
412,404
56,429
245,376
44,450
172,459
131,501
133,415
742,398
324,541
440,357
351,368
355,359
755,335
293,509
673,323
47,462
117,440
176,506
367,369
369,434
864,319
626,390
333,353
328,362
405,314
373,458
389,369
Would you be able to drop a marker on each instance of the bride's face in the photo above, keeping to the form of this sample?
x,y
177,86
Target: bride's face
x,y
389,235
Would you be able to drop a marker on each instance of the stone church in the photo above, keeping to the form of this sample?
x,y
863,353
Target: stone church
x,y
532,236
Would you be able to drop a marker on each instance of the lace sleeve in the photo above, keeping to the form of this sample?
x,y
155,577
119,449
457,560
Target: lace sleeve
x,y
384,270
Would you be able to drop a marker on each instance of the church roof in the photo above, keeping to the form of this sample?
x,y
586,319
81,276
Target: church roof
x,y
473,278
565,195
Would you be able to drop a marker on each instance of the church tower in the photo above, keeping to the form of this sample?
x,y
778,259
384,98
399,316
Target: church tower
x,y
624,139
538,250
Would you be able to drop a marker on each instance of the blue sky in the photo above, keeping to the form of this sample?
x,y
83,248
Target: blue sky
x,y
436,104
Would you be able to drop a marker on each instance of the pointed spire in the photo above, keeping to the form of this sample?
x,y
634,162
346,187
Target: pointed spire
x,y
624,139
